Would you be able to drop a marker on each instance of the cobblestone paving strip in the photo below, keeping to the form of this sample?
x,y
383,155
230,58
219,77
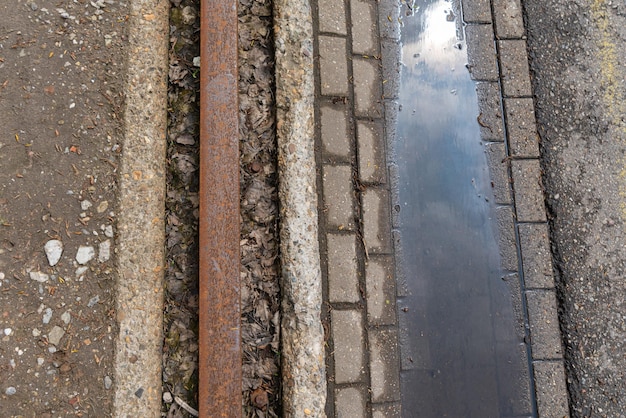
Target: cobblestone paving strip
x,y
357,56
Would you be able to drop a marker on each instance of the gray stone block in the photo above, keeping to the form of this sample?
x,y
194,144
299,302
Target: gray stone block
x,y
499,172
551,389
367,88
490,116
335,132
349,403
384,368
364,28
380,291
338,195
536,256
528,191
476,11
391,120
333,66
521,127
481,52
393,410
514,68
509,22
545,335
332,16
343,277
348,342
506,238
376,221
372,164
389,19
390,56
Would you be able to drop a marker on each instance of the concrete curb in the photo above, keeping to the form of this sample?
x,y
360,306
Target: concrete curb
x,y
141,209
302,335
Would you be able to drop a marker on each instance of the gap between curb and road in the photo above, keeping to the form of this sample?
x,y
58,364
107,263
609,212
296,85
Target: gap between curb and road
x,y
140,260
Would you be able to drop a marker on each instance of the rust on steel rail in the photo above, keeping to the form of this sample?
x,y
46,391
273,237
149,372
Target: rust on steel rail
x,y
219,391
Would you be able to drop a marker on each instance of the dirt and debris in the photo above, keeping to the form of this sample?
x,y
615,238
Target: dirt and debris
x,y
259,208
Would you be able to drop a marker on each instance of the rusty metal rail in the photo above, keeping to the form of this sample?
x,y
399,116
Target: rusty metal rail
x,y
219,392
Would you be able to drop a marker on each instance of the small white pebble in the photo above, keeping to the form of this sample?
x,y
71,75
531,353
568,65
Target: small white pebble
x,y
8,331
10,391
40,361
36,332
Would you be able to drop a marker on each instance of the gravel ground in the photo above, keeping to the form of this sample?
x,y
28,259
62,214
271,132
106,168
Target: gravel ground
x,y
577,55
259,242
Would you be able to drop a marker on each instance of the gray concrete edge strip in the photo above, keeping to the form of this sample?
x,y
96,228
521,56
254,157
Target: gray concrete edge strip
x,y
302,334
141,209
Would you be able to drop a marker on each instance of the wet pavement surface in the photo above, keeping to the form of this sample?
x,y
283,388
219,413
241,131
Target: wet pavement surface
x,y
463,348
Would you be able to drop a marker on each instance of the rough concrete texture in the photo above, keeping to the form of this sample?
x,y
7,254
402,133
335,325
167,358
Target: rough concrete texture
x,y
141,214
303,368
577,53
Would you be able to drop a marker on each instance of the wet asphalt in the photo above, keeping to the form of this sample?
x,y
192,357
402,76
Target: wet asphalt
x,y
577,64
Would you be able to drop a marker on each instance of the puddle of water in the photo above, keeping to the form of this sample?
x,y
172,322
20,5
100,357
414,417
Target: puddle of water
x,y
463,351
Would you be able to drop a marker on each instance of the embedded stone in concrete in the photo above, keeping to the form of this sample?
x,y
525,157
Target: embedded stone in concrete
x,y
333,66
343,279
347,329
364,30
390,56
349,403
545,334
367,88
476,11
332,16
521,127
481,52
506,238
528,191
490,116
380,291
551,389
389,19
536,256
384,368
337,184
498,170
371,152
393,410
334,131
509,22
514,68
376,221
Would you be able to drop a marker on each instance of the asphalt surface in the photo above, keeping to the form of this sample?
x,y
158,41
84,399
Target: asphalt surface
x,y
577,64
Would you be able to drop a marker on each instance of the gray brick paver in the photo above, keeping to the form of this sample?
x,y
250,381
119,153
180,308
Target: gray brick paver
x,y
384,370
551,390
514,66
376,221
380,291
544,325
333,63
349,403
509,22
482,52
338,197
343,278
528,191
335,133
499,171
364,28
536,256
372,164
521,127
332,16
348,342
367,88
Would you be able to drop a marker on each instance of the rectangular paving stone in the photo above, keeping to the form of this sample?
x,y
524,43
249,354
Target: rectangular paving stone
x,y
476,11
370,142
333,66
390,55
367,88
338,195
509,22
514,68
506,238
481,52
380,291
391,121
522,127
490,116
347,330
335,132
389,19
499,172
376,221
545,335
551,389
332,16
536,256
349,403
392,410
384,368
343,277
364,27
528,191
